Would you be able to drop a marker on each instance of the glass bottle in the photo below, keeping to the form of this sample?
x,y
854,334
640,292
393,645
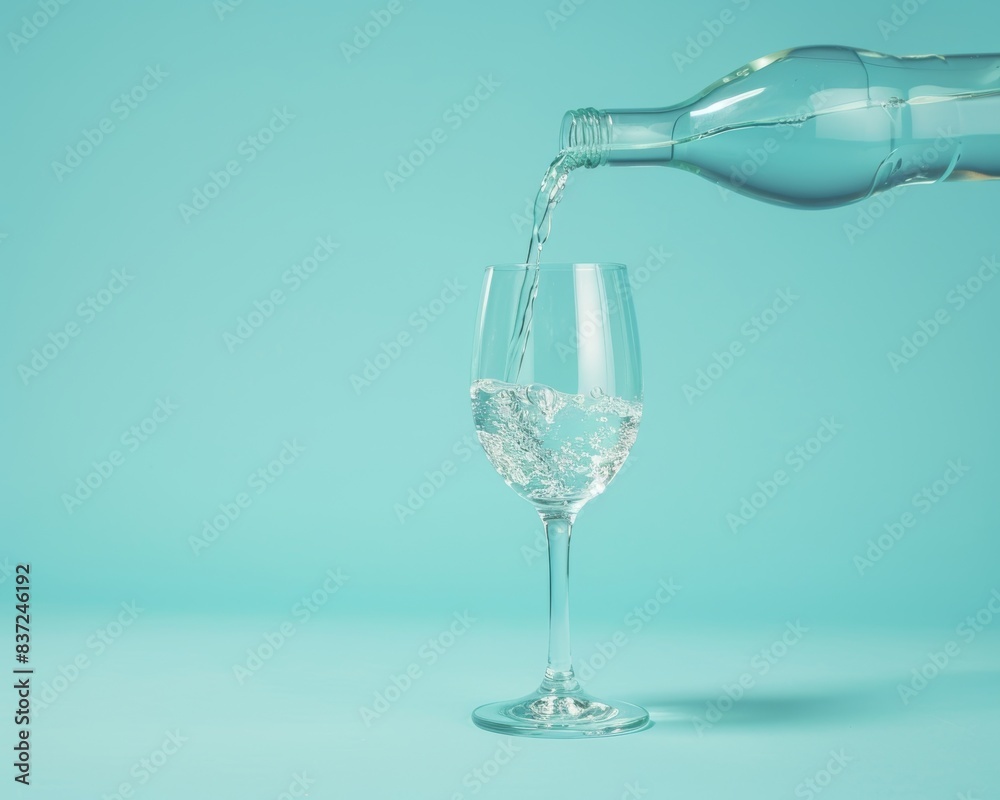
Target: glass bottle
x,y
815,127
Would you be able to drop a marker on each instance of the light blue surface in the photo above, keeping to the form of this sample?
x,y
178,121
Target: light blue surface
x,y
353,455
833,691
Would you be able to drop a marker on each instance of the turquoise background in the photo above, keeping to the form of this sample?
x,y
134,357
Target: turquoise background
x,y
405,264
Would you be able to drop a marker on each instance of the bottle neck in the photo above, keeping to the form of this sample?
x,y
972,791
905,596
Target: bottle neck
x,y
620,137
586,133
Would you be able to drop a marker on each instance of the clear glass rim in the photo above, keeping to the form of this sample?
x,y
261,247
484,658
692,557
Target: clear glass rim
x,y
603,266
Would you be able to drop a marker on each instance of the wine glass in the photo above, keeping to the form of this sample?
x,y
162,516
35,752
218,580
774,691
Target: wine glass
x,y
557,397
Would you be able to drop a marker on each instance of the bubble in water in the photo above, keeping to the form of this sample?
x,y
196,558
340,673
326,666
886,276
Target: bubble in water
x,y
569,456
543,398
597,393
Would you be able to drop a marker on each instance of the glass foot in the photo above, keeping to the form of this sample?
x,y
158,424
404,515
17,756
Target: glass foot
x,y
560,714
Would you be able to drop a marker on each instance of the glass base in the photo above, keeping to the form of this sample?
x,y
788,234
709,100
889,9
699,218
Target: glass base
x,y
560,715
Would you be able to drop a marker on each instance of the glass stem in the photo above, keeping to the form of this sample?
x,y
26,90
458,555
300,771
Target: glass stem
x,y
559,673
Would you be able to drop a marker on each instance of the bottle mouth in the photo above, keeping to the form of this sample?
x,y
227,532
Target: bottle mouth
x,y
586,133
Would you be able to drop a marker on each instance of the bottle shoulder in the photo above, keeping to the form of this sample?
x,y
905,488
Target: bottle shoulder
x,y
783,87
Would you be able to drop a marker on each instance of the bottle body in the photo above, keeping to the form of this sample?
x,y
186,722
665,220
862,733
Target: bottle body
x,y
816,127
